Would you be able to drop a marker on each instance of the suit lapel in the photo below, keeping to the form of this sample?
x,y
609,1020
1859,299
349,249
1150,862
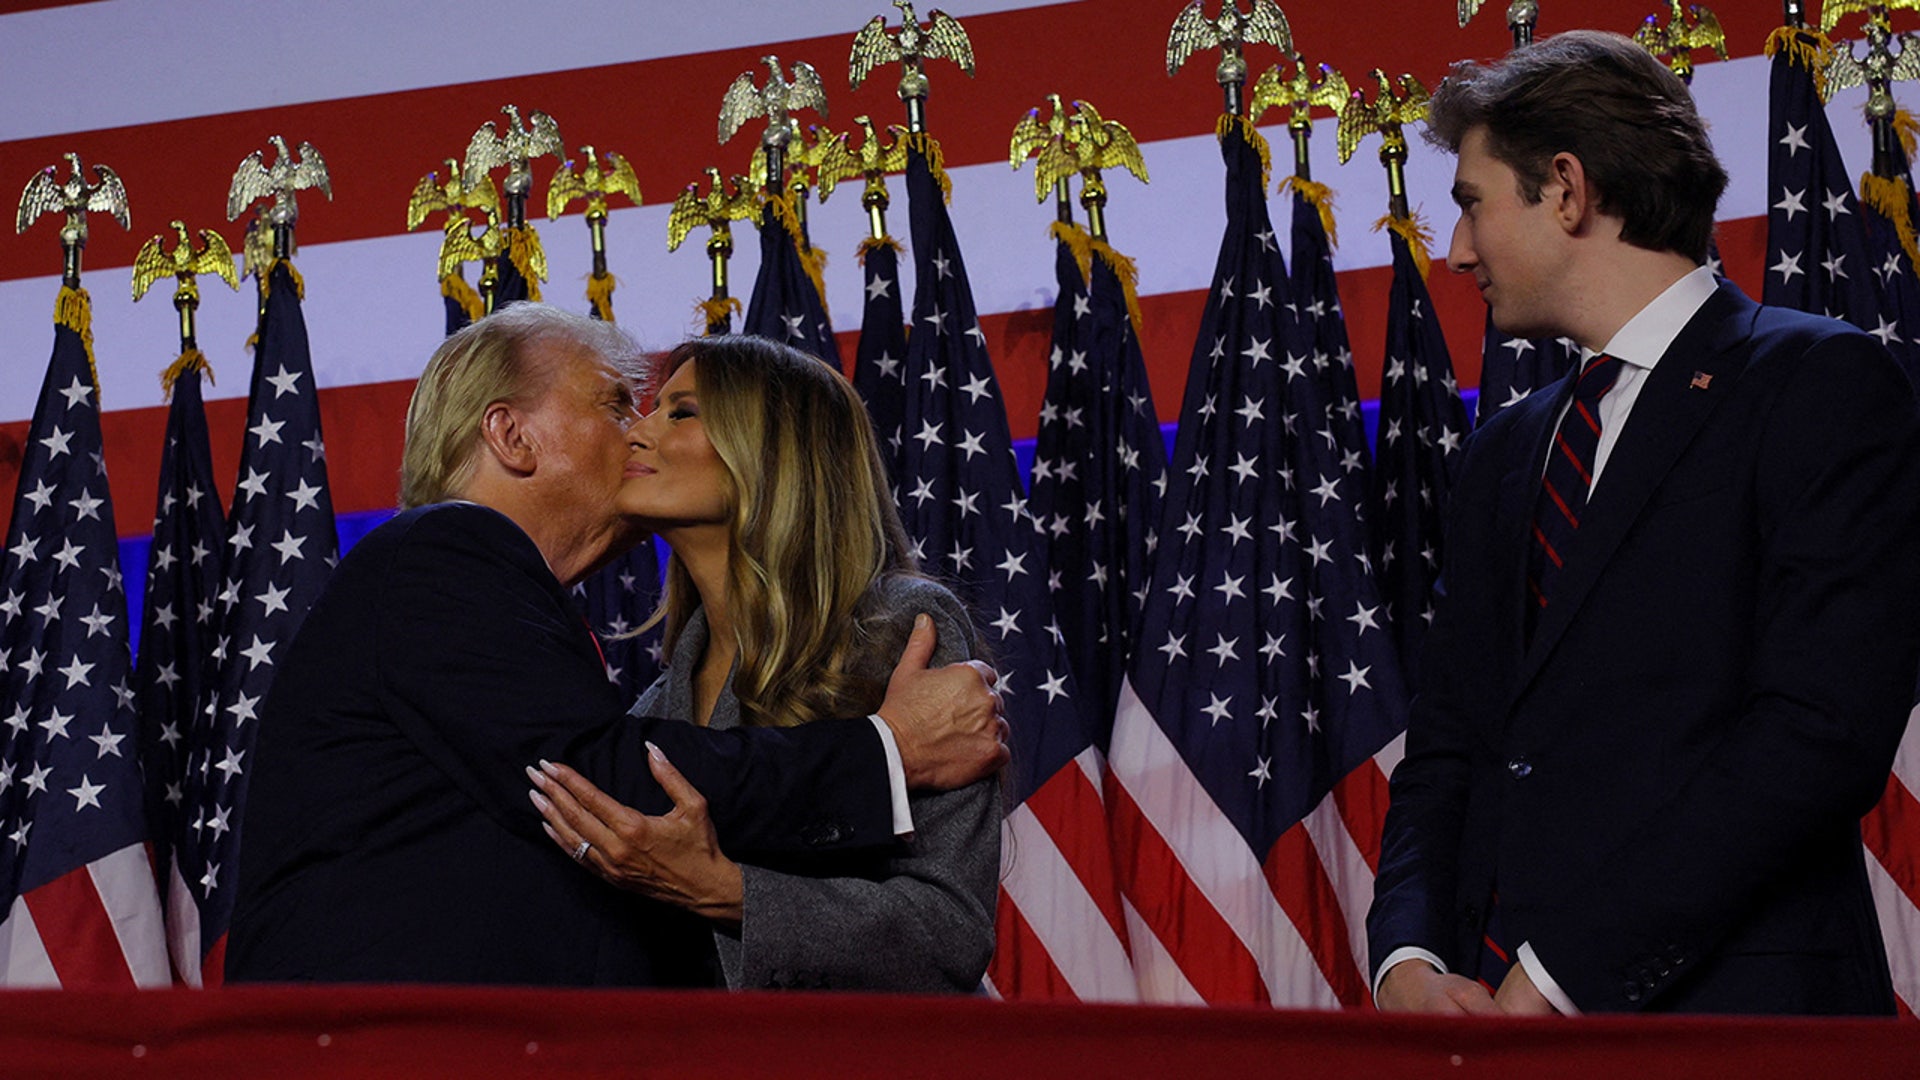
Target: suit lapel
x,y
1667,415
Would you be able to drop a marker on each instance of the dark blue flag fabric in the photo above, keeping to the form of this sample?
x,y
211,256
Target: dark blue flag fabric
x,y
1061,934
786,305
78,906
184,572
1513,367
281,545
1888,210
1816,245
514,279
879,371
1316,302
616,602
1099,470
1423,427
1264,696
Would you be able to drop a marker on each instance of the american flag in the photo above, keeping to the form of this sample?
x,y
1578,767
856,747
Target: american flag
x,y
1513,367
617,601
280,548
1099,470
878,371
80,908
1816,250
184,571
1316,301
1423,427
1059,925
1887,196
1263,703
785,304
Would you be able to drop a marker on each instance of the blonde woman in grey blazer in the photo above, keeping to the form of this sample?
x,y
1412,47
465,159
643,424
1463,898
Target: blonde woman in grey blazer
x,y
790,593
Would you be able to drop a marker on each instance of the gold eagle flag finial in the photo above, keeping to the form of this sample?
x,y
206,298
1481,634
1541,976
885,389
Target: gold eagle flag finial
x,y
595,185
74,198
455,198
1086,143
717,210
1522,17
1877,71
255,180
745,100
489,149
943,38
873,161
804,152
184,263
1046,138
1391,110
1231,32
1300,93
1686,29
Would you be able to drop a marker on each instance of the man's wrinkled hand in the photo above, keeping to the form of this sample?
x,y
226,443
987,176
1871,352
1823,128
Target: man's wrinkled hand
x,y
947,721
1518,996
1414,986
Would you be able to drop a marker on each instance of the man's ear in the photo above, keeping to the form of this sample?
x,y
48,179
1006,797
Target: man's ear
x,y
504,431
1575,200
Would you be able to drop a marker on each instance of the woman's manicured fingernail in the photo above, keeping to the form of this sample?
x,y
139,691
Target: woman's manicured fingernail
x,y
540,802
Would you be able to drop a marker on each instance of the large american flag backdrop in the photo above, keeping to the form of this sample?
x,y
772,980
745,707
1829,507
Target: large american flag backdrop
x,y
174,97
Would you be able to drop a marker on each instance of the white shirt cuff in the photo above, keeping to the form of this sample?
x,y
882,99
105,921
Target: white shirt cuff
x,y
1543,982
1404,952
896,778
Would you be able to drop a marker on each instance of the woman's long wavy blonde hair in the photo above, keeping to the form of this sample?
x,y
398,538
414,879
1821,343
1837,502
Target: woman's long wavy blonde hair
x,y
813,527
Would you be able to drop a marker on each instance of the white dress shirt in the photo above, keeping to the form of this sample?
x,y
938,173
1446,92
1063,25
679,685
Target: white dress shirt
x,y
1639,345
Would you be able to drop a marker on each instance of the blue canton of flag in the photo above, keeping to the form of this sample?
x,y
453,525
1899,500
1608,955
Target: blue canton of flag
x,y
1884,199
879,372
79,907
1815,243
1316,302
1422,428
786,304
281,546
616,601
1099,471
1513,367
1264,679
1059,927
184,571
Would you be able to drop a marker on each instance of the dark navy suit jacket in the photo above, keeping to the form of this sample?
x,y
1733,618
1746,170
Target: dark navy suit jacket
x,y
388,835
1665,784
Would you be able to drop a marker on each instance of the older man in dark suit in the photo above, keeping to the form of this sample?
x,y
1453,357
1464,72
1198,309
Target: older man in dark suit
x,y
1681,620
388,834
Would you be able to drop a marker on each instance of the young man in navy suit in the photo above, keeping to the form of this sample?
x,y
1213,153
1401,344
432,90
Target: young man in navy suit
x,y
1681,616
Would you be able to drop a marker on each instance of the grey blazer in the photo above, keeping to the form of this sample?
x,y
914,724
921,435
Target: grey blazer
x,y
920,920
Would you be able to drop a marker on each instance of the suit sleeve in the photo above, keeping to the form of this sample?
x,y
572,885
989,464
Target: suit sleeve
x,y
488,672
918,922
1414,889
1836,642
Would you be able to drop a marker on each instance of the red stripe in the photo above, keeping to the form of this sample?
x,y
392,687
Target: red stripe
x,y
1892,833
1547,546
1021,969
1547,486
213,969
1592,421
1299,881
1205,948
1068,807
1361,798
78,933
1578,465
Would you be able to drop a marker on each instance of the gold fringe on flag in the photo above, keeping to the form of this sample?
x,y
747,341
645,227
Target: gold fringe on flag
x,y
1078,242
1415,233
523,247
1806,48
1891,198
714,311
455,288
74,310
299,283
600,295
1129,275
1320,197
191,360
814,261
1906,127
1229,121
936,162
874,243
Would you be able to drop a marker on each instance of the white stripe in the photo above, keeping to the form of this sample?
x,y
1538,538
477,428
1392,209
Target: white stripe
x,y
1214,854
1906,760
1347,869
124,881
183,927
296,52
1389,756
23,956
1161,980
1056,905
1900,928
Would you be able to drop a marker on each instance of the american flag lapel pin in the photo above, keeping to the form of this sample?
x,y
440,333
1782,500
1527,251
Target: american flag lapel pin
x,y
1701,381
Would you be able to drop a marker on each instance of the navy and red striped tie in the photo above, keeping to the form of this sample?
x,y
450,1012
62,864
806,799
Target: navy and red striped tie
x,y
1564,487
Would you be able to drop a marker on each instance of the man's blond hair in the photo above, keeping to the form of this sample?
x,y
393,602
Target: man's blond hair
x,y
495,359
